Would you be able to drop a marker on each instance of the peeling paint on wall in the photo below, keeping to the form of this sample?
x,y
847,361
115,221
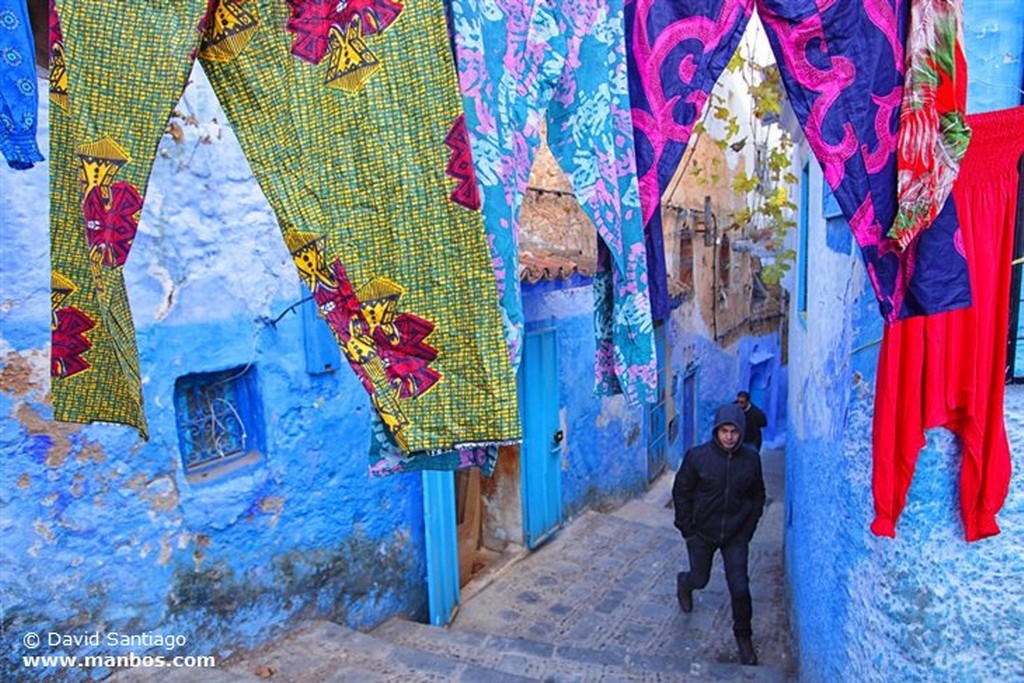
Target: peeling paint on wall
x,y
105,532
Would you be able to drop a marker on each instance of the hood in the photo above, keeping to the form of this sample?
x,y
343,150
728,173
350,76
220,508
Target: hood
x,y
729,414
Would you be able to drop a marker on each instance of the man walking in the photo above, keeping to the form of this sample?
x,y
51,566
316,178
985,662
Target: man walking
x,y
755,418
719,497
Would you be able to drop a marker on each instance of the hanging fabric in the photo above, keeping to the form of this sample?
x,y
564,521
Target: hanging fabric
x,y
933,134
518,61
522,60
350,117
19,96
676,50
842,67
948,370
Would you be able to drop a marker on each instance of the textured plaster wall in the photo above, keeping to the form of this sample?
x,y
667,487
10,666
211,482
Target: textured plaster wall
x,y
102,532
925,606
993,39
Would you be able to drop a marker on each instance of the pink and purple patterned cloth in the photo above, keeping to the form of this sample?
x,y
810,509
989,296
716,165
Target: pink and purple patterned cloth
x,y
842,65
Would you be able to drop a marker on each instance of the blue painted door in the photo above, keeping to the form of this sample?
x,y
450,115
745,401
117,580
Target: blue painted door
x,y
541,453
657,431
442,546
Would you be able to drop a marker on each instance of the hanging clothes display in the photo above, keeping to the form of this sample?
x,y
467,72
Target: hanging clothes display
x,y
349,115
519,60
842,67
933,134
948,370
19,96
676,51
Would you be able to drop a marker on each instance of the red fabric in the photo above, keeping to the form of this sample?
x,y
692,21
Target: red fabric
x,y
948,369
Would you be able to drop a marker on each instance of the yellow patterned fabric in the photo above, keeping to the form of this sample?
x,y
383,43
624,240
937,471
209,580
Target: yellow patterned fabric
x,y
343,117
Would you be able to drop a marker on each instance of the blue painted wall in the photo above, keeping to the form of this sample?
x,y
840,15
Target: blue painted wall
x,y
720,373
604,454
102,532
926,606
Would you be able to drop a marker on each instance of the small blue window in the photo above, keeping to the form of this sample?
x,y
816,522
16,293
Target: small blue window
x,y
829,203
220,418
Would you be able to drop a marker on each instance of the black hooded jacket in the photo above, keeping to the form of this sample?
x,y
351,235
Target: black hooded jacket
x,y
719,494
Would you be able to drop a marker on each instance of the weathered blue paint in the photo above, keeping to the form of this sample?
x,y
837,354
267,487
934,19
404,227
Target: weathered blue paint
x,y
719,374
993,40
925,605
760,372
103,532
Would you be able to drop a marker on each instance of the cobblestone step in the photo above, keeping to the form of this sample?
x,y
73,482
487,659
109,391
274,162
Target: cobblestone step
x,y
325,652
608,584
565,663
597,603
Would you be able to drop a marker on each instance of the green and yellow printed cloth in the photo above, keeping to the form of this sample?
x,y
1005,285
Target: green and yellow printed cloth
x,y
350,117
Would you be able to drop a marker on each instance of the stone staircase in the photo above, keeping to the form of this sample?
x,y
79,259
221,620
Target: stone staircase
x,y
595,603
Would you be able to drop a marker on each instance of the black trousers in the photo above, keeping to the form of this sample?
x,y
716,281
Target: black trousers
x,y
734,556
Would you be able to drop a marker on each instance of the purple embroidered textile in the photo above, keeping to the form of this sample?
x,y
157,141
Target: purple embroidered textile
x,y
842,66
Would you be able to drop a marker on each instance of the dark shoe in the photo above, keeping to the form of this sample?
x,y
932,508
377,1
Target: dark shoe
x,y
684,593
746,648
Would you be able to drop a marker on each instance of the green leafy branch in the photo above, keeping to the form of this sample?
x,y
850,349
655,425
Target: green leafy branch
x,y
768,212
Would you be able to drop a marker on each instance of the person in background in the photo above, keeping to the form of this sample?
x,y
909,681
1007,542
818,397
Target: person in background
x,y
719,497
755,418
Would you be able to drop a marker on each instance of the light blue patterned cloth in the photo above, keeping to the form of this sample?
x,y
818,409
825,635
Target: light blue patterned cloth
x,y
519,60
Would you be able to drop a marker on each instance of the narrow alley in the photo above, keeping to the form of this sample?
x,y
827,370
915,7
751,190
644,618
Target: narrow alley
x,y
595,603
428,302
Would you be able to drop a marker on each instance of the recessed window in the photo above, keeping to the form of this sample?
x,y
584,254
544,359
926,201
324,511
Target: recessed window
x,y
219,418
724,261
686,260
804,228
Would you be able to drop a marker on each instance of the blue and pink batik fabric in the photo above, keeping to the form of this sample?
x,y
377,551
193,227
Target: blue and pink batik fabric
x,y
519,60
842,65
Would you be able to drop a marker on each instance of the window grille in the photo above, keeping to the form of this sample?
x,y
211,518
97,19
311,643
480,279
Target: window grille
x,y
686,260
219,417
724,262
